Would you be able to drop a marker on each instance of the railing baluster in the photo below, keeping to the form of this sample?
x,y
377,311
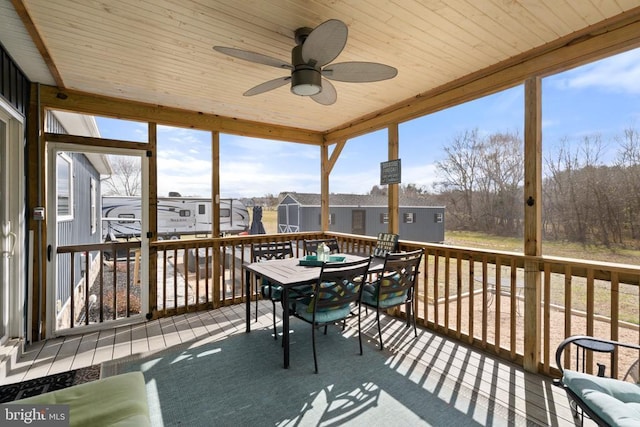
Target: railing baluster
x,y
546,295
101,288
197,270
128,288
485,302
207,273
175,279
164,280
514,310
436,293
568,304
72,287
86,286
590,315
497,302
425,287
471,309
458,296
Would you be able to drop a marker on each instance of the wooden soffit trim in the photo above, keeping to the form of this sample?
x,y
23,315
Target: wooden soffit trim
x,y
23,13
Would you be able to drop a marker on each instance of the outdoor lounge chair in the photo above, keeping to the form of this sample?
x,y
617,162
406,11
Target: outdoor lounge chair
x,y
607,401
395,286
335,292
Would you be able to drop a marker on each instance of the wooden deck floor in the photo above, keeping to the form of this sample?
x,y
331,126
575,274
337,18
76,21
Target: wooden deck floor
x,y
492,383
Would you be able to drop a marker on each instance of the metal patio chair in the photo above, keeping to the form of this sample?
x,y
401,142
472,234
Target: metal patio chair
x,y
607,401
268,251
395,286
335,293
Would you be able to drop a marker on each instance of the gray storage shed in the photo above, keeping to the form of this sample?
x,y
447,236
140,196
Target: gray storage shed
x,y
361,214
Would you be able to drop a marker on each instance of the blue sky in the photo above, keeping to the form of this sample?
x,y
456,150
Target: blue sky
x,y
602,98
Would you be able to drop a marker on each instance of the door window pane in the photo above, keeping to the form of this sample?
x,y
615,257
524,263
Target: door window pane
x,y
64,187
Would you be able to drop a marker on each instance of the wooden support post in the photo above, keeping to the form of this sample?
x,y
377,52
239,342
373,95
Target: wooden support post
x,y
325,169
393,195
218,278
36,196
532,222
153,217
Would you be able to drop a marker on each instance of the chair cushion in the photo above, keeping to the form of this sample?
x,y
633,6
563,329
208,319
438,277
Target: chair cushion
x,y
370,299
305,311
300,291
310,301
120,400
616,402
371,290
276,291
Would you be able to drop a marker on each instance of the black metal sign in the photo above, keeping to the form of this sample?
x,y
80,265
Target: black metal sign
x,y
390,172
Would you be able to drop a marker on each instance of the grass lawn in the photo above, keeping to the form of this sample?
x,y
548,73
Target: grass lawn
x,y
561,249
270,221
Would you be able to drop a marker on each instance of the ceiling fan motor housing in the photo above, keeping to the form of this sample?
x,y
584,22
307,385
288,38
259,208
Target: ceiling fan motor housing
x,y
305,78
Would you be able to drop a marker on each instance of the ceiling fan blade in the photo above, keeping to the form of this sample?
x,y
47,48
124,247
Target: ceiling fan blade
x,y
359,72
267,86
253,57
328,95
325,43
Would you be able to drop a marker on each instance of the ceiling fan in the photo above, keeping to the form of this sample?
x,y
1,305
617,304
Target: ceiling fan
x,y
309,70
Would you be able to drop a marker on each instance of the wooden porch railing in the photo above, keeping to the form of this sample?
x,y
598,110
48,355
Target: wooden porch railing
x,y
472,295
96,282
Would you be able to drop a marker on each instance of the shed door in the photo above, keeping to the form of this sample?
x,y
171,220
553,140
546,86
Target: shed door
x,y
358,222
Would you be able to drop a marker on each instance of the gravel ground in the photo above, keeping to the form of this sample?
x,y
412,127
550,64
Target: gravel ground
x,y
108,293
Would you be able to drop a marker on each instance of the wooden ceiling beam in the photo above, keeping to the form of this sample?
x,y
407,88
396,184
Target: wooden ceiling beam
x,y
98,105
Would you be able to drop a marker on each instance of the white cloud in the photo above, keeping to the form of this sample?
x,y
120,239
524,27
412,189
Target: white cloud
x,y
356,181
424,175
619,74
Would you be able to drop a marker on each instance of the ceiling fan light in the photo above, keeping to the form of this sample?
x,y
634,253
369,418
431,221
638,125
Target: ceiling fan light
x,y
306,89
306,82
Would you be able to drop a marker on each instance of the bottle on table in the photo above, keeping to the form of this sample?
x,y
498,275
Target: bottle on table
x,y
323,252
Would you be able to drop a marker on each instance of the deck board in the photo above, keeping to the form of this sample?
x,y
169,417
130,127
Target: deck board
x,y
431,360
87,347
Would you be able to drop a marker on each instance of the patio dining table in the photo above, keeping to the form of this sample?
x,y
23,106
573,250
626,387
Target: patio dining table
x,y
289,273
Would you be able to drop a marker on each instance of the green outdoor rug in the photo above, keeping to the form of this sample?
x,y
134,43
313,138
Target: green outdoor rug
x,y
36,386
240,381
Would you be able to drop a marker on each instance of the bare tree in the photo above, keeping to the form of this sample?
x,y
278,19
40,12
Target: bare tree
x,y
378,190
412,190
629,161
126,177
500,180
582,195
483,181
459,172
562,188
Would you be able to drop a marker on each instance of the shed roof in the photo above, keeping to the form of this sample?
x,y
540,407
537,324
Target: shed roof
x,y
360,200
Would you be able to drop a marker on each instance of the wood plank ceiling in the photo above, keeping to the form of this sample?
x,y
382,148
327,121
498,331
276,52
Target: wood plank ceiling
x,y
160,52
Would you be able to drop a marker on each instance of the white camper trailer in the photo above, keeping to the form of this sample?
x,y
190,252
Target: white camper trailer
x,y
121,217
